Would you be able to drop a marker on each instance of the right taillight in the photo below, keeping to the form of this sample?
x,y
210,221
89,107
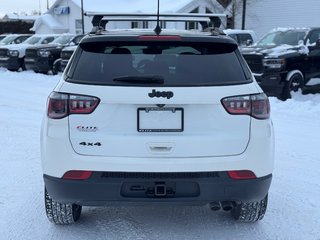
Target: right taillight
x,y
241,175
256,105
61,105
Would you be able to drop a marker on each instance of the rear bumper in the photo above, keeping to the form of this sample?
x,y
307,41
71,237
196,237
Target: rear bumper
x,y
123,188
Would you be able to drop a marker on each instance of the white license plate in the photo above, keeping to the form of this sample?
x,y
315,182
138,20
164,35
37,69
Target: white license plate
x,y
160,119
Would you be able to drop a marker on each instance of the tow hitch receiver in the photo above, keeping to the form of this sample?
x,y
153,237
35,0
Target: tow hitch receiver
x,y
160,190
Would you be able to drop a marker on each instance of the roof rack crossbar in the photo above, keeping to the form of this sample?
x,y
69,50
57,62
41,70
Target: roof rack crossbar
x,y
208,15
166,19
100,19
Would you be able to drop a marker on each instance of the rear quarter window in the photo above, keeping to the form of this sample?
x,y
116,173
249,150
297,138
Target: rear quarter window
x,y
177,63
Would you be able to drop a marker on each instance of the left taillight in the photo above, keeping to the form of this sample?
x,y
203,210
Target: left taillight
x,y
256,105
77,175
61,105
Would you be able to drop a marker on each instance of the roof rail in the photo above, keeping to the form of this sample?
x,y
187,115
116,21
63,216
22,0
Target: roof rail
x,y
100,20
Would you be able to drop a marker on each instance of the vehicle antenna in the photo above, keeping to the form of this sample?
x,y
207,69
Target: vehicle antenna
x,y
158,30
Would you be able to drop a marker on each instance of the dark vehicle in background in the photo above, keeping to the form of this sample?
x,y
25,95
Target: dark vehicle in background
x,y
13,39
284,60
41,58
66,53
12,56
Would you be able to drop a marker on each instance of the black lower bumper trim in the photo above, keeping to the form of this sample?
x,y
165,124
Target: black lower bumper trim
x,y
115,188
13,63
272,83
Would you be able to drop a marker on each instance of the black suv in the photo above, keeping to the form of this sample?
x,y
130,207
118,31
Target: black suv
x,y
40,58
284,60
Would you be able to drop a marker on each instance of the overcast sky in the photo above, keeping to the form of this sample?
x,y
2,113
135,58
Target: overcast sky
x,y
10,6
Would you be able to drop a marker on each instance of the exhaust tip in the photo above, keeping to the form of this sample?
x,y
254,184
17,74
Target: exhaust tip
x,y
227,206
215,206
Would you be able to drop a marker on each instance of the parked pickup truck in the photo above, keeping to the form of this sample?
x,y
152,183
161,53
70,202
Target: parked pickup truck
x,y
285,59
40,58
12,56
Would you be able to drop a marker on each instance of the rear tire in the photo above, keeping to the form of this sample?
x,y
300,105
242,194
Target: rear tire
x,y
250,211
61,213
292,85
56,67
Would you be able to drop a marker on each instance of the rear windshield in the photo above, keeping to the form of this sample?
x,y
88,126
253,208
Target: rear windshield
x,y
175,64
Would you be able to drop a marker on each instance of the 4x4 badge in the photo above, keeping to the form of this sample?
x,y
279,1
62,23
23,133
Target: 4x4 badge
x,y
158,94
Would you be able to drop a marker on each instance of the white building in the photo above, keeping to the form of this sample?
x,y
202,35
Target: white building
x,y
265,15
65,15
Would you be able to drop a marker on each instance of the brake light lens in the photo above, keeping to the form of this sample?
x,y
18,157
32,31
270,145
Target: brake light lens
x,y
61,105
159,38
77,175
257,105
241,175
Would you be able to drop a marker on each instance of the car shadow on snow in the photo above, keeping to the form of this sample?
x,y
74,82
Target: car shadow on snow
x,y
159,223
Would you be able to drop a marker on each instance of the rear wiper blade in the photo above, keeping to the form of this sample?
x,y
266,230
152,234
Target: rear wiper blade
x,y
140,79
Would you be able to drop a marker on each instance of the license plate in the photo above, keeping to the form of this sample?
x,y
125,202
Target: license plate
x,y
160,119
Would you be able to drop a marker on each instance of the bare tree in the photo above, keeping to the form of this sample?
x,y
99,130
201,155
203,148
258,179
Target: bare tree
x,y
238,8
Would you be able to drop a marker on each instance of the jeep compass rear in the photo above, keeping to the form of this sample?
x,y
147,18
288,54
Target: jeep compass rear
x,y
143,118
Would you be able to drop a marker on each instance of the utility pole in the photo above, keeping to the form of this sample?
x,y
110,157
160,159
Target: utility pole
x,y
244,8
39,7
82,19
47,4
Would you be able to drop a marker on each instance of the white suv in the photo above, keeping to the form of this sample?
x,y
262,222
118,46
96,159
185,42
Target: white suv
x,y
146,118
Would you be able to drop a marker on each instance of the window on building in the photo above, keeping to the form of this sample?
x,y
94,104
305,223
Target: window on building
x,y
163,24
135,24
78,25
193,25
145,24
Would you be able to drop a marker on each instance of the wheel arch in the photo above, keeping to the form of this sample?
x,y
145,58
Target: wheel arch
x,y
293,72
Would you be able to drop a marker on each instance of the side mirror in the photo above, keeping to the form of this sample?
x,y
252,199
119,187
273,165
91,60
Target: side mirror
x,y
249,42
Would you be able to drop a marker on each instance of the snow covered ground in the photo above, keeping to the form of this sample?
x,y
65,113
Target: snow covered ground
x,y
293,211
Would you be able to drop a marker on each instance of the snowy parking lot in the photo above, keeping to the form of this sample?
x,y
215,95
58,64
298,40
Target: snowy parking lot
x,y
293,211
